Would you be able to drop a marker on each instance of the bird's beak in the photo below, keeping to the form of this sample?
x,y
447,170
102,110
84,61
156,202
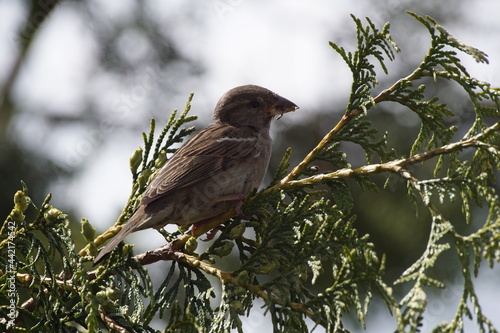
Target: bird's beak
x,y
281,106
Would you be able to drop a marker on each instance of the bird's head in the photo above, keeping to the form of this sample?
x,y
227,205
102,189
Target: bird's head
x,y
252,106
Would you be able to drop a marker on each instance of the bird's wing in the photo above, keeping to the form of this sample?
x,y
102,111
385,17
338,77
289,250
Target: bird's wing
x,y
213,149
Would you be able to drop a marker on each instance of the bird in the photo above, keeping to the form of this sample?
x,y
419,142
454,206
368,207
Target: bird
x,y
215,169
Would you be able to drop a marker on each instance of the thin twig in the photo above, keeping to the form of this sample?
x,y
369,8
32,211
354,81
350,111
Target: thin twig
x,y
111,324
392,166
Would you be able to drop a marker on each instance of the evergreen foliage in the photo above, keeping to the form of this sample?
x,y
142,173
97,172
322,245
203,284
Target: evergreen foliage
x,y
297,232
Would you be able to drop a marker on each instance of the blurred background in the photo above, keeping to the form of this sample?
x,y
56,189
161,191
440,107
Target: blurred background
x,y
80,81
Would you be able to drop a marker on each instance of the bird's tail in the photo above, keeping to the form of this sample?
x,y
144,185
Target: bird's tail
x,y
127,229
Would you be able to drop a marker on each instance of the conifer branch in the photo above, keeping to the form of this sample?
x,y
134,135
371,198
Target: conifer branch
x,y
393,166
165,253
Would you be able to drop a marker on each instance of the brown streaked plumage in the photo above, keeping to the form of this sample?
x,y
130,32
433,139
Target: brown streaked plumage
x,y
215,169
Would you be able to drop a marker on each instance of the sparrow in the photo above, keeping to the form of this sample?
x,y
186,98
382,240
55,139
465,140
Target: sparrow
x,y
215,169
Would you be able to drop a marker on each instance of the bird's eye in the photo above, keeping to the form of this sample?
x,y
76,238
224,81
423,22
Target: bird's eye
x,y
254,103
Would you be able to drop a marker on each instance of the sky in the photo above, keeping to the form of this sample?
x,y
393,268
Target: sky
x,y
278,44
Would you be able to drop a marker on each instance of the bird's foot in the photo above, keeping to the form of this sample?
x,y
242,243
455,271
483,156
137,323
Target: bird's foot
x,y
210,234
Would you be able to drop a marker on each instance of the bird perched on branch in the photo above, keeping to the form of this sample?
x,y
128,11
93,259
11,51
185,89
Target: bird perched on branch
x,y
216,169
